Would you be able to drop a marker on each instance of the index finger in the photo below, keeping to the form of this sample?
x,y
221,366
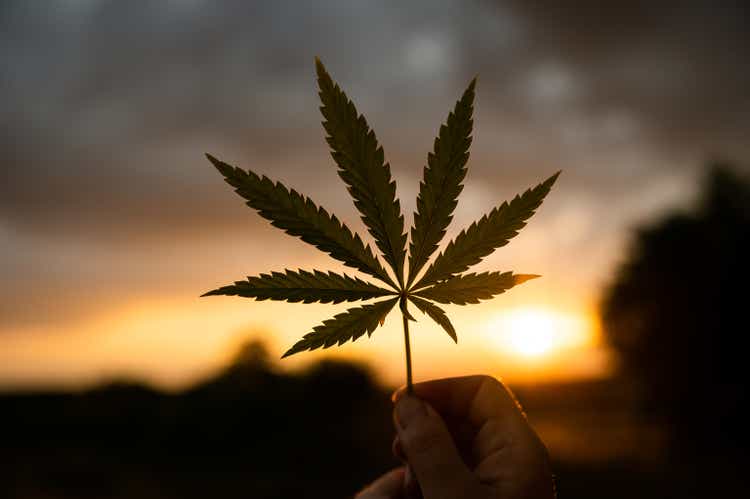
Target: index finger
x,y
475,399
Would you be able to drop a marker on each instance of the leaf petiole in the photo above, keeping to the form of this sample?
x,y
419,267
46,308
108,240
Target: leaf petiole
x,y
409,383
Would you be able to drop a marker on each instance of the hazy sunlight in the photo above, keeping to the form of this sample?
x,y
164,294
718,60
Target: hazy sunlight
x,y
535,333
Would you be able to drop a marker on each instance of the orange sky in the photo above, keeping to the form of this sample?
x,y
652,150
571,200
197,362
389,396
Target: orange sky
x,y
543,329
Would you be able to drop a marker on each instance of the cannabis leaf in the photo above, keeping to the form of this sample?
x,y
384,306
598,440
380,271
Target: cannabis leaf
x,y
438,192
300,216
437,314
304,286
362,166
492,231
349,325
470,288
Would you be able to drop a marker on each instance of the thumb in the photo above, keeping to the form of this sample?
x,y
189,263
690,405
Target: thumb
x,y
430,450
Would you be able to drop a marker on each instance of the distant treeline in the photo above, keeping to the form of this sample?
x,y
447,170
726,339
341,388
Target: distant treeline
x,y
247,433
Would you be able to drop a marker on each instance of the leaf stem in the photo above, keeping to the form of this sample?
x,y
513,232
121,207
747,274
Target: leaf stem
x,y
409,383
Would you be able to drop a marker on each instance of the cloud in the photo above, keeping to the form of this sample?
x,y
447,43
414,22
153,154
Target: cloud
x,y
108,106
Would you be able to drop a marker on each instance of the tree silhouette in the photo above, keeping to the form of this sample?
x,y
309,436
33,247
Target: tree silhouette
x,y
676,314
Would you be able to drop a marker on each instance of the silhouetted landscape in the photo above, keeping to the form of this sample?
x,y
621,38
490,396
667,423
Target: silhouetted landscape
x,y
253,433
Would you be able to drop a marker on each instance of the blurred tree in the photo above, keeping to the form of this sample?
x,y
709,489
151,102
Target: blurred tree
x,y
252,355
676,315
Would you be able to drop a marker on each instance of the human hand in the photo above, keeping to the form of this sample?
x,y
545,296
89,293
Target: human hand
x,y
467,438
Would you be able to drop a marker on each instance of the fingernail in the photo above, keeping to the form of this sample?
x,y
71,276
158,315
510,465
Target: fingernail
x,y
409,409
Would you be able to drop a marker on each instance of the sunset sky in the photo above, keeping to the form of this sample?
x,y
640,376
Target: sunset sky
x,y
112,222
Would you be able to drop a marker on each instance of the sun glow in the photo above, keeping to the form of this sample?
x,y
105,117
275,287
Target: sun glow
x,y
537,333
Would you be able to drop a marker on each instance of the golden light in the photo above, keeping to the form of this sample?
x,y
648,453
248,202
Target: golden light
x,y
536,333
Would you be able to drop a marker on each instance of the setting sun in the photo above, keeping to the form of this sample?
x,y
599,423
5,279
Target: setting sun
x,y
534,333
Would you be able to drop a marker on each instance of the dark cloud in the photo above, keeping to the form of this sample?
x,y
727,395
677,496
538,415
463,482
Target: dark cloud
x,y
107,106
680,66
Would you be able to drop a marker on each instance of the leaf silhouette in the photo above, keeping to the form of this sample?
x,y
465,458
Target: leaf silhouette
x,y
303,286
470,288
436,313
300,216
438,192
345,326
485,236
362,167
